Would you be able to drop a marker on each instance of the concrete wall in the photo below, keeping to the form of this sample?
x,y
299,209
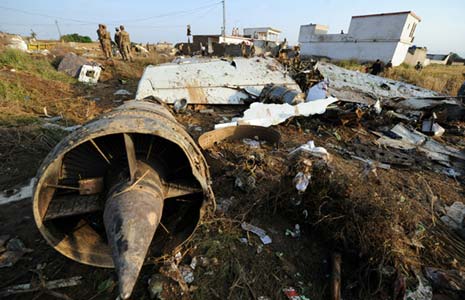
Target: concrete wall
x,y
389,27
362,51
308,32
234,40
418,56
384,37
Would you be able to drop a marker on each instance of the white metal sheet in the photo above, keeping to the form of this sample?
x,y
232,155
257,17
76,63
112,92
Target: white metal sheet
x,y
212,81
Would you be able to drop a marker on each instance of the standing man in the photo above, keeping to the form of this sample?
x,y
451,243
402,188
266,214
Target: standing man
x,y
105,40
118,40
125,44
461,92
244,49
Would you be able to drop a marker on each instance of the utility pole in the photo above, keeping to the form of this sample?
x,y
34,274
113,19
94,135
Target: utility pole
x,y
223,30
59,31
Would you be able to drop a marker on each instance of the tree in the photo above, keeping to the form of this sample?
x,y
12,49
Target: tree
x,y
76,38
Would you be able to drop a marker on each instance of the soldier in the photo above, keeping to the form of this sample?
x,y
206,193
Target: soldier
x,y
125,44
118,40
244,49
105,40
100,35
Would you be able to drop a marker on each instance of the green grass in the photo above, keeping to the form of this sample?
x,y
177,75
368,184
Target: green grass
x,y
12,91
40,66
9,121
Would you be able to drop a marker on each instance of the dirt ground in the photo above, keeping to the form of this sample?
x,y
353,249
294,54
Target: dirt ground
x,y
382,224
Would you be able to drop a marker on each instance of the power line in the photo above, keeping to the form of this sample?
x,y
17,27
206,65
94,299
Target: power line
x,y
170,14
87,22
42,15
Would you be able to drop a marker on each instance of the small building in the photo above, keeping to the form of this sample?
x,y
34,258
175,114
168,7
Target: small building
x,y
416,54
438,59
263,33
217,38
386,36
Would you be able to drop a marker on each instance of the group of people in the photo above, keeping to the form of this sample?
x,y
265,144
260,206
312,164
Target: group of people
x,y
122,42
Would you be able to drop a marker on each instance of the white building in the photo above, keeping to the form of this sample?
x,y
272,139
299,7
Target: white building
x,y
263,33
380,36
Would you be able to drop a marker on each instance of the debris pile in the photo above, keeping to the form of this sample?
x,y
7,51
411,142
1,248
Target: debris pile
x,y
328,182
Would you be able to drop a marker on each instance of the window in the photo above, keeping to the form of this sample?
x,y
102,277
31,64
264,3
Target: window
x,y
412,32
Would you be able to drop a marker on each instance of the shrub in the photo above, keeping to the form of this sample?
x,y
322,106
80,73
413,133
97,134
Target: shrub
x,y
74,37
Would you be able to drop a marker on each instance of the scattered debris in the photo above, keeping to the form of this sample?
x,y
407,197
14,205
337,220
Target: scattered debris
x,y
89,74
155,287
13,252
122,92
23,193
56,126
310,148
318,91
301,181
446,280
414,140
180,105
49,285
258,231
208,139
187,273
292,294
423,291
336,261
344,82
261,114
432,128
455,217
280,94
294,233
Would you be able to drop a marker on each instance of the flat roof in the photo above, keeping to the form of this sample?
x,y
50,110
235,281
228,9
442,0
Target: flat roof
x,y
390,14
264,28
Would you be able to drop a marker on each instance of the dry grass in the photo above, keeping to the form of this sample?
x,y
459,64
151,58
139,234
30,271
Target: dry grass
x,y
440,78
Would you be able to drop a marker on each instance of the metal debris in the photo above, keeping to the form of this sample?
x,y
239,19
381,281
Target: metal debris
x,y
89,74
278,94
119,158
209,139
258,231
122,92
212,81
344,82
23,193
49,285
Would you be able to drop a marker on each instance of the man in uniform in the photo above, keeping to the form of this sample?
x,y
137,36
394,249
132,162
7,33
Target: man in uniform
x,y
125,44
244,49
105,40
118,40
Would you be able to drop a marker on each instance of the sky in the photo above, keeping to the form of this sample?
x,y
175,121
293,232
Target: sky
x,y
441,30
